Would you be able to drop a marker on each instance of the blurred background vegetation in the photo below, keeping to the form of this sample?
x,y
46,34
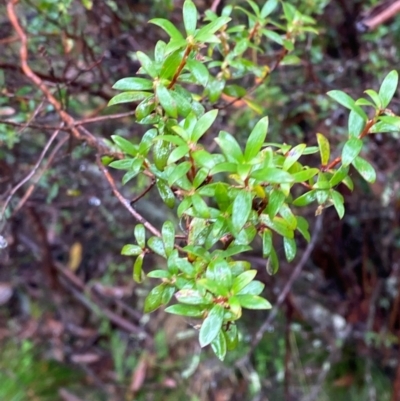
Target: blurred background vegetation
x,y
71,321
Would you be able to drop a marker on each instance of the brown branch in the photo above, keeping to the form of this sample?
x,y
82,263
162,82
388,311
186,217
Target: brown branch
x,y
140,196
180,66
125,201
379,14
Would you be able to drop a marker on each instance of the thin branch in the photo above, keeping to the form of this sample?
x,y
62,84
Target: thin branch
x,y
30,175
286,289
32,187
125,202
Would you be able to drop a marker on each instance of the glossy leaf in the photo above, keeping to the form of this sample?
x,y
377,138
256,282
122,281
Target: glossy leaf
x,y
241,209
169,28
345,100
388,88
324,149
231,337
272,262
356,124
147,64
186,310
289,245
125,145
266,242
191,297
154,299
293,155
189,17
133,84
205,34
272,175
168,236
268,8
351,150
253,302
229,146
275,201
167,101
177,172
199,71
243,280
140,235
218,345
256,139
203,124
137,268
212,325
338,203
127,97
156,245
166,193
129,250
365,169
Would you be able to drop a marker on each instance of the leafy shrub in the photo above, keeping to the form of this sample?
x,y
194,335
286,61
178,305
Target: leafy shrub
x,y
225,199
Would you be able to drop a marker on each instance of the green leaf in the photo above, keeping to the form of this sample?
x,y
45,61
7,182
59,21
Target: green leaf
x,y
256,139
185,266
178,153
133,171
305,175
365,169
169,28
156,245
178,172
388,88
147,141
203,124
206,33
218,345
272,262
129,250
171,64
241,209
133,84
324,149
243,280
253,302
168,236
345,100
200,206
232,337
212,325
137,268
306,198
356,124
166,193
124,164
272,175
147,64
275,201
189,17
302,227
125,145
266,242
159,274
268,7
289,245
169,292
339,175
145,108
338,203
128,97
253,288
199,71
161,151
375,97
182,104
229,146
351,149
191,297
167,101
154,299
140,235
293,155
277,224
186,310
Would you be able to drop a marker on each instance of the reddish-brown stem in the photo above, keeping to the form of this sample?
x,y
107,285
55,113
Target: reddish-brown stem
x,y
182,64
